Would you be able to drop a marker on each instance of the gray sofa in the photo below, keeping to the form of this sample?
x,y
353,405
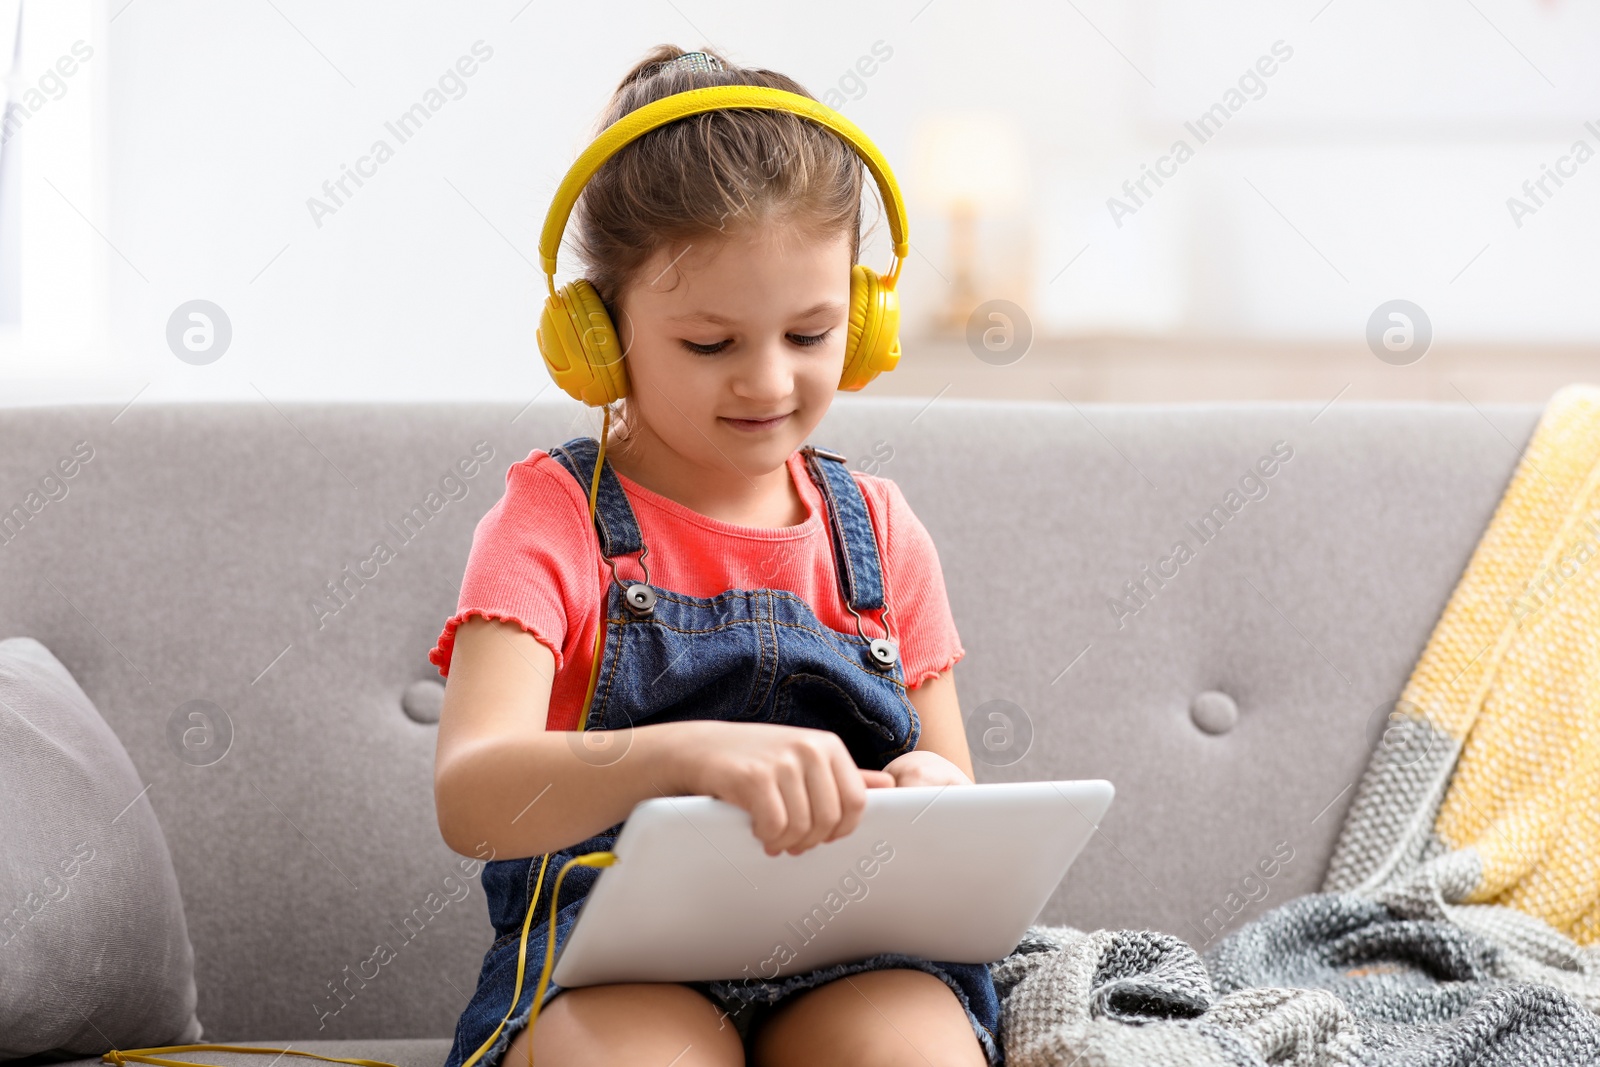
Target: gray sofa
x,y
1233,704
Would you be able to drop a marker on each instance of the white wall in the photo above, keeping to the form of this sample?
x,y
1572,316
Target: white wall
x,y
1376,164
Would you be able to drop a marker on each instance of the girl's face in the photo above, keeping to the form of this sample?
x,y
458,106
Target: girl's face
x,y
740,327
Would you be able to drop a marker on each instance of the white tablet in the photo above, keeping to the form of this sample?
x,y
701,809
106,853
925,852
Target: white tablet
x,y
948,873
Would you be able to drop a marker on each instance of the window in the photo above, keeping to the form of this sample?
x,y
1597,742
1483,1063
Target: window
x,y
53,307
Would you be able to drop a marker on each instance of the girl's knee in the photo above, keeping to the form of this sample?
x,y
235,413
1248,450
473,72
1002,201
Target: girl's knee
x,y
880,1018
629,1023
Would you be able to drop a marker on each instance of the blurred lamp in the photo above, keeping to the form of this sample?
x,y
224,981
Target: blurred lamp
x,y
968,163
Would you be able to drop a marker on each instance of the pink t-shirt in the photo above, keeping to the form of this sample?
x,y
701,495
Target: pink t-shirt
x,y
535,562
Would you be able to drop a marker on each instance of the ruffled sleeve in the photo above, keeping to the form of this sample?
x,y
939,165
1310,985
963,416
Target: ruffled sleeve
x,y
530,560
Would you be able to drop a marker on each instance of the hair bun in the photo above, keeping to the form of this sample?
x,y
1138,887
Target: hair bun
x,y
694,61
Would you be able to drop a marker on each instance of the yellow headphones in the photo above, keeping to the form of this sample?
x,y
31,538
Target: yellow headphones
x,y
576,335
581,349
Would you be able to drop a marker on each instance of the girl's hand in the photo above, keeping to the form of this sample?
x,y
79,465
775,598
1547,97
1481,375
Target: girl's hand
x,y
800,785
923,767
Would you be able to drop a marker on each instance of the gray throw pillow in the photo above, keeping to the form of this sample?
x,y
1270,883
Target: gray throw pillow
x,y
94,950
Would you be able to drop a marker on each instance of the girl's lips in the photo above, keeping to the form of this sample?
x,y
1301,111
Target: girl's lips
x,y
756,425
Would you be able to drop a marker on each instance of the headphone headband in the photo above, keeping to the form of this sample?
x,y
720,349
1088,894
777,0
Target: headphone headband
x,y
692,102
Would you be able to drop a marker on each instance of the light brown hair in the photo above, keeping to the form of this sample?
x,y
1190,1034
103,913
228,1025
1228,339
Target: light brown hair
x,y
707,176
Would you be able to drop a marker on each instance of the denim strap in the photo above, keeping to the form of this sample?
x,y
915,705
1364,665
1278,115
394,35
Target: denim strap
x,y
855,549
613,518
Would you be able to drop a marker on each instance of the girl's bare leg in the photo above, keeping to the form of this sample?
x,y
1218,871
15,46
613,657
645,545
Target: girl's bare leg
x,y
633,1023
898,1016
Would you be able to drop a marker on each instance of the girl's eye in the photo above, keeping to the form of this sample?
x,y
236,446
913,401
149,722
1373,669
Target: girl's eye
x,y
814,339
804,340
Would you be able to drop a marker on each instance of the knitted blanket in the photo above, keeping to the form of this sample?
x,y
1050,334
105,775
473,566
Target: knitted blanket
x,y
1459,920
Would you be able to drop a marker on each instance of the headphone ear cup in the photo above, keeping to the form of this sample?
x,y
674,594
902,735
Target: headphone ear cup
x,y
873,345
580,345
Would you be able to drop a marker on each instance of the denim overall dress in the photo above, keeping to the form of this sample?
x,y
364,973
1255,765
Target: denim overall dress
x,y
747,655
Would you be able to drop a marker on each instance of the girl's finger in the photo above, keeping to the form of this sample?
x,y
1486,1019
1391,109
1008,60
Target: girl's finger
x,y
768,814
852,792
824,797
797,807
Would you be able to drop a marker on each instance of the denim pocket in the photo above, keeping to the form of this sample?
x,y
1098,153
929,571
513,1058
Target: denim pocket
x,y
808,699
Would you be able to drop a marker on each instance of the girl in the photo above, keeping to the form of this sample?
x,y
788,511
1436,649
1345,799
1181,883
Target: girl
x,y
722,246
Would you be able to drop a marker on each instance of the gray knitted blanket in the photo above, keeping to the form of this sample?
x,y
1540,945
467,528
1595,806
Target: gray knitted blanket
x,y
1325,979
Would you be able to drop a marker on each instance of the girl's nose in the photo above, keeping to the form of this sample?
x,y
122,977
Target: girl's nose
x,y
766,375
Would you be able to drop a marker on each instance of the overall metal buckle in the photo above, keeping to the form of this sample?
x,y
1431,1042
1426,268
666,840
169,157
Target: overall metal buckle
x,y
638,596
882,651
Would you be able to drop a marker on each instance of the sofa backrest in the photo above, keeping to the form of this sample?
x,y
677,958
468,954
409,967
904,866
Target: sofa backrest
x,y
1231,689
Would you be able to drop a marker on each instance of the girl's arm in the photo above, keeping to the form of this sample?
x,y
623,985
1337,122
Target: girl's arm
x,y
505,787
502,782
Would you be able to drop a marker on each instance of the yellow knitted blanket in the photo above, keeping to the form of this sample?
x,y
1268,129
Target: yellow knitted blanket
x,y
1486,788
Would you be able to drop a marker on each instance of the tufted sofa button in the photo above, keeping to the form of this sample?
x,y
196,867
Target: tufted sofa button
x,y
424,700
1214,712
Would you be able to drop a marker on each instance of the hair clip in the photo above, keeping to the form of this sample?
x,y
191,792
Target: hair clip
x,y
695,61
